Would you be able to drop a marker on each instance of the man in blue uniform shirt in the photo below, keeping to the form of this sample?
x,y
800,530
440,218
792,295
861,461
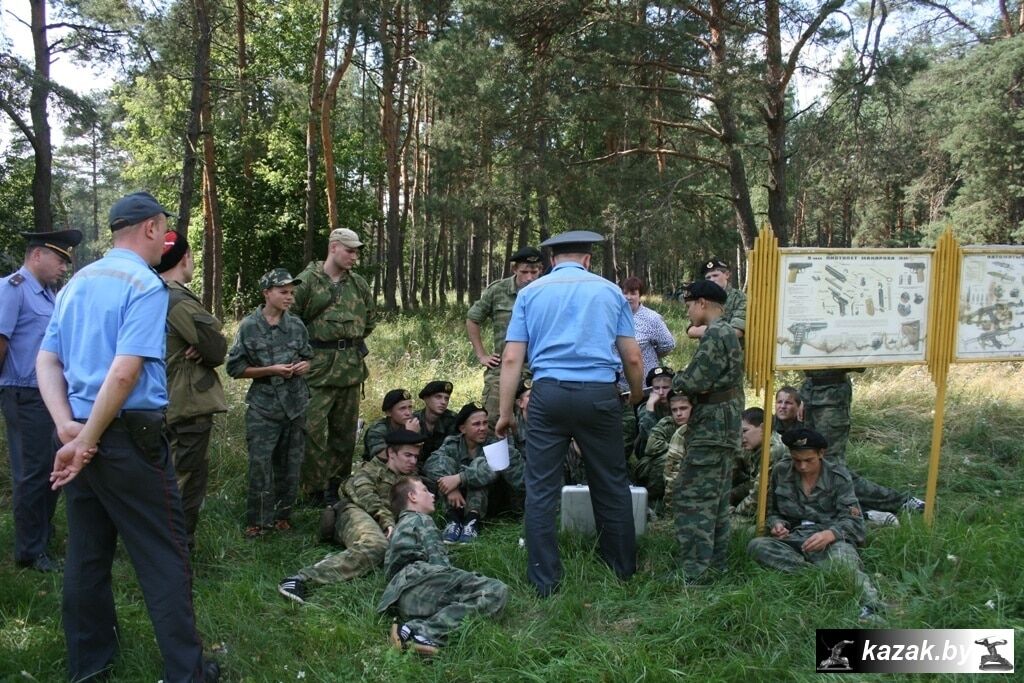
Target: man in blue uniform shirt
x,y
101,374
26,304
566,325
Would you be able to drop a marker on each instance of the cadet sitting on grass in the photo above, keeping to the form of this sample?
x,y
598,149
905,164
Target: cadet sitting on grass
x,y
747,465
813,516
437,423
361,520
460,473
659,380
432,597
272,349
650,467
397,407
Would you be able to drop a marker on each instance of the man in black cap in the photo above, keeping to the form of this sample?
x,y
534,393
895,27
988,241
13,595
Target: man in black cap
x,y
436,422
735,307
397,407
102,376
496,303
26,304
714,382
568,325
195,347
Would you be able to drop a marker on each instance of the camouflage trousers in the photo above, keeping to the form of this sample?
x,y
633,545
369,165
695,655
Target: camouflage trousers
x,y
190,441
331,436
673,462
785,556
874,496
491,397
650,473
365,545
438,604
275,457
701,507
827,411
575,468
629,432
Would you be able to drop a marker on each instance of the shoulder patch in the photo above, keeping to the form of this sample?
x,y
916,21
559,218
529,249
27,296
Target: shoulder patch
x,y
15,279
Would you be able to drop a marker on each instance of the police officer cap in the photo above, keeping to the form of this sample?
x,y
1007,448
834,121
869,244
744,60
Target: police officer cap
x,y
714,264
573,242
661,371
704,289
801,438
436,387
278,277
175,246
60,241
467,410
527,255
402,437
524,386
394,397
135,208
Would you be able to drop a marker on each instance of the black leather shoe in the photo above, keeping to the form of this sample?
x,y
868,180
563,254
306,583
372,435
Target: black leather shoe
x,y
211,671
42,563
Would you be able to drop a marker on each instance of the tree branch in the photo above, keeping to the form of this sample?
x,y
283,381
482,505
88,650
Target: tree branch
x,y
952,16
19,122
794,54
660,150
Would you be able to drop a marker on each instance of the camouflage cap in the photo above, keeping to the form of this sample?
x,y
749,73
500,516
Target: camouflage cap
x,y
393,398
802,438
660,371
467,410
278,277
436,387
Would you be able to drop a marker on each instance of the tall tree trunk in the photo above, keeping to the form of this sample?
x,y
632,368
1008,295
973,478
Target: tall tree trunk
x,y
326,137
191,157
213,260
316,103
391,42
775,120
38,105
245,139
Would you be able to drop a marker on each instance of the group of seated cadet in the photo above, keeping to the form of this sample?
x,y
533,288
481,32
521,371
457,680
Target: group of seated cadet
x,y
459,472
651,462
397,409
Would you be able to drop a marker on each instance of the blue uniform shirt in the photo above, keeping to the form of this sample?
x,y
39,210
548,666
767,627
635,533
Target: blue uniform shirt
x,y
25,310
116,306
569,320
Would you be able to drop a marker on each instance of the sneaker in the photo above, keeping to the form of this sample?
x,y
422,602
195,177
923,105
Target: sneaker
x,y
877,518
914,504
402,637
452,533
328,516
870,615
293,588
470,532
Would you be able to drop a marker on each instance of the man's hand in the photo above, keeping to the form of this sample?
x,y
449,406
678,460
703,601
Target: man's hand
x,y
456,500
819,541
448,484
300,368
501,427
192,353
69,461
491,361
779,530
696,331
69,430
387,532
283,369
413,424
653,401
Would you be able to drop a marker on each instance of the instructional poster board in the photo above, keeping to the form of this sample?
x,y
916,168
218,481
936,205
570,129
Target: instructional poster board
x,y
852,309
990,324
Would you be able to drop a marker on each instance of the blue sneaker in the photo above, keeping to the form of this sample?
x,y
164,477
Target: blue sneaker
x,y
452,533
469,532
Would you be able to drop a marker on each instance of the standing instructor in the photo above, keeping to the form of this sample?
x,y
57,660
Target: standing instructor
x,y
566,325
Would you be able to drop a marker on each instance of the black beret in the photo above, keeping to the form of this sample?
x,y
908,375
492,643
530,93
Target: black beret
x,y
803,438
60,241
705,289
714,264
403,437
527,255
175,246
436,387
467,410
394,397
525,385
660,371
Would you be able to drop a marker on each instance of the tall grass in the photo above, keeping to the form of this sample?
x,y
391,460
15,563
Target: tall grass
x,y
753,625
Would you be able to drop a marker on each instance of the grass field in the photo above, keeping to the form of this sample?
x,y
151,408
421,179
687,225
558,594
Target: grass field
x,y
753,625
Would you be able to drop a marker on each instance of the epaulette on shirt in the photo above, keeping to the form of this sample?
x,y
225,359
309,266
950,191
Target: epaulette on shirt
x,y
15,279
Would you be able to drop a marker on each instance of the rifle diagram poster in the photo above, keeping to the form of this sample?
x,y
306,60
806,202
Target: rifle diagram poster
x,y
991,318
849,309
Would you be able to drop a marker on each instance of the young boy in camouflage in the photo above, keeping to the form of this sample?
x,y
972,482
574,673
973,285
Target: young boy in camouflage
x,y
656,408
397,408
432,597
650,467
437,423
272,349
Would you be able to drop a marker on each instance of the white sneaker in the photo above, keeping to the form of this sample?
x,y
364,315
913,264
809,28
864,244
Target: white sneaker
x,y
877,518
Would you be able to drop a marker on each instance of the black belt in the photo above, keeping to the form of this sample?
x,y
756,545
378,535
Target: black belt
x,y
335,343
717,396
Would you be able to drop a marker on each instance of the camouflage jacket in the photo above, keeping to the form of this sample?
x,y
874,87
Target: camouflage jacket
x,y
373,437
444,428
781,427
453,455
415,553
745,473
333,311
735,309
831,504
258,345
646,421
659,439
193,386
369,487
495,303
716,366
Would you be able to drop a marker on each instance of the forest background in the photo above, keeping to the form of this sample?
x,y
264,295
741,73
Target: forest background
x,y
449,133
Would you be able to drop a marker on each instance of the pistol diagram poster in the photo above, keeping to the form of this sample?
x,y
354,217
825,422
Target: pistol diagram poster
x,y
849,309
991,316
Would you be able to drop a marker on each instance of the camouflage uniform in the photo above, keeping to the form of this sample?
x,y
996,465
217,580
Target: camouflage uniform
x,y
650,467
444,428
364,515
714,382
735,309
645,422
495,303
831,505
342,312
195,394
748,464
373,438
432,596
275,417
477,476
827,395
673,462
